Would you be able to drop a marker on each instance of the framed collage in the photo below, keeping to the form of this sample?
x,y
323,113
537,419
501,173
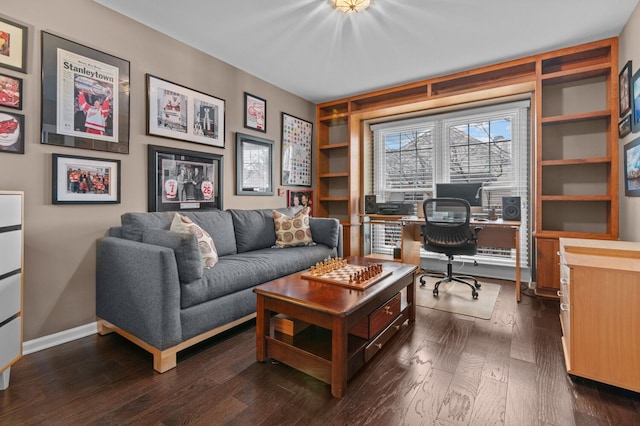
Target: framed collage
x,y
296,150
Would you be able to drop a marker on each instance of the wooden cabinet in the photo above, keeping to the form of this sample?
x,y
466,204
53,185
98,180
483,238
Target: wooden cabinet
x,y
11,278
599,294
338,175
577,155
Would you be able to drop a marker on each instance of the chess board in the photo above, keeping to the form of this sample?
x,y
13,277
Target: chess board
x,y
341,277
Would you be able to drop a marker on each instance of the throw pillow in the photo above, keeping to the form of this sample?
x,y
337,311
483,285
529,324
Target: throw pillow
x,y
205,242
292,231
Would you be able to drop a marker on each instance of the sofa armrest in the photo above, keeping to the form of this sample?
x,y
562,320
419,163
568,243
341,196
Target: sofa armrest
x,y
137,290
327,231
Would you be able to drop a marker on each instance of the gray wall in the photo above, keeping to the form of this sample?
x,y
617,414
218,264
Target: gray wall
x,y
629,49
59,281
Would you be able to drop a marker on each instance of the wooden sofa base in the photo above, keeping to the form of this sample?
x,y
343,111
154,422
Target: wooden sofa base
x,y
165,360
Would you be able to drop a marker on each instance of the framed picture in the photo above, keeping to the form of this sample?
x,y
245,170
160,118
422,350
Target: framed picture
x,y
296,150
13,45
84,180
302,198
11,133
10,91
632,168
635,102
183,180
85,97
624,94
177,112
254,165
624,127
255,113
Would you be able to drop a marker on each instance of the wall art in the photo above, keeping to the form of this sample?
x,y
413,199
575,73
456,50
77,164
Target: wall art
x,y
85,180
183,180
85,97
296,150
177,112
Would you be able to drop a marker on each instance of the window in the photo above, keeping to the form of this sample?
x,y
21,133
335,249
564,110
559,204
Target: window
x,y
486,145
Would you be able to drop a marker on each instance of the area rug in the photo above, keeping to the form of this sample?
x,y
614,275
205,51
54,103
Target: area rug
x,y
456,298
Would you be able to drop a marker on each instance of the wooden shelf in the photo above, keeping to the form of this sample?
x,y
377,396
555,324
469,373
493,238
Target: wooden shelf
x,y
321,198
572,118
576,161
576,74
333,175
576,198
334,146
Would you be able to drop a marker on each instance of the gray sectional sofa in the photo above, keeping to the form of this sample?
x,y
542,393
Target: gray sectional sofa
x,y
151,287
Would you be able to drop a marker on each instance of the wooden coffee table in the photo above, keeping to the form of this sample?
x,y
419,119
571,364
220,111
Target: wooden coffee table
x,y
348,326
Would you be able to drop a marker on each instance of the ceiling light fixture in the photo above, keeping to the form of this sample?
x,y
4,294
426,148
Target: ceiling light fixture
x,y
349,6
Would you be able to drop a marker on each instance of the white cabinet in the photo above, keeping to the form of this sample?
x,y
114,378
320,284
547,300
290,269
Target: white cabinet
x,y
11,279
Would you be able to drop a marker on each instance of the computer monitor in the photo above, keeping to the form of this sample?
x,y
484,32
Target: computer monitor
x,y
472,192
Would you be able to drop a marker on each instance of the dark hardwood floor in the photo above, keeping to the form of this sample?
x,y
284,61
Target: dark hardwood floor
x,y
445,369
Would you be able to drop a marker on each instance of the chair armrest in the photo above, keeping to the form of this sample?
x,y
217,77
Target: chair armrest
x,y
137,289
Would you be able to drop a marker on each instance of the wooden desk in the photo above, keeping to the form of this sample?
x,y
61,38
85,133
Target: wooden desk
x,y
495,233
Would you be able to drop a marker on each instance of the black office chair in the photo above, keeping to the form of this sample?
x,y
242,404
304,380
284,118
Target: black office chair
x,y
447,231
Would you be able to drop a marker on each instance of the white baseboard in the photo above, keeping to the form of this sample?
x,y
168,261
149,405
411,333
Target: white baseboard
x,y
56,339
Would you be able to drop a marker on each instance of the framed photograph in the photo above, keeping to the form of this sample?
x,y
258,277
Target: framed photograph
x,y
177,112
254,165
13,45
183,180
632,168
255,113
10,91
624,91
296,150
624,127
85,180
85,97
11,133
302,198
635,102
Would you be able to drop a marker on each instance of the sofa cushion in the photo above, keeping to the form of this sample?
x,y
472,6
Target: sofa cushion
x,y
219,225
292,231
255,229
325,230
185,248
207,247
134,224
245,270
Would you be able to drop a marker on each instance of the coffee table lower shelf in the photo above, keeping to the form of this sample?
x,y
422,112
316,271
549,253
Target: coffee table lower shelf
x,y
310,350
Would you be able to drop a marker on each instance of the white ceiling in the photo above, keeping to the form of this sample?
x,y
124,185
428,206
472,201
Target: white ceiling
x,y
318,53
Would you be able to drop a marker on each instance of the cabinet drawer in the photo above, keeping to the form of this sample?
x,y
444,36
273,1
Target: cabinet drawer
x,y
9,342
378,343
379,319
10,247
10,208
9,296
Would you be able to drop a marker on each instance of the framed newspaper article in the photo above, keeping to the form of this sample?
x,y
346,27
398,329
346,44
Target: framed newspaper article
x,y
177,112
296,150
183,180
85,97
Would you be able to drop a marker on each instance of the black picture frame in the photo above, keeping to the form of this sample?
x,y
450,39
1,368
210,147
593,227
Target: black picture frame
x,y
254,165
198,188
297,135
635,102
12,134
85,180
178,112
255,113
632,168
14,51
80,82
10,91
624,126
624,91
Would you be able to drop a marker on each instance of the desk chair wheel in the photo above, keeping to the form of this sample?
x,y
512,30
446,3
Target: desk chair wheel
x,y
435,292
474,294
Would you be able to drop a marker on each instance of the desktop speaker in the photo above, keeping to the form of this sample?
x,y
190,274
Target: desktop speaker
x,y
511,208
370,206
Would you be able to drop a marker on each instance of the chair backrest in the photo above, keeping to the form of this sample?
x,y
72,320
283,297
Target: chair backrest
x,y
447,223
